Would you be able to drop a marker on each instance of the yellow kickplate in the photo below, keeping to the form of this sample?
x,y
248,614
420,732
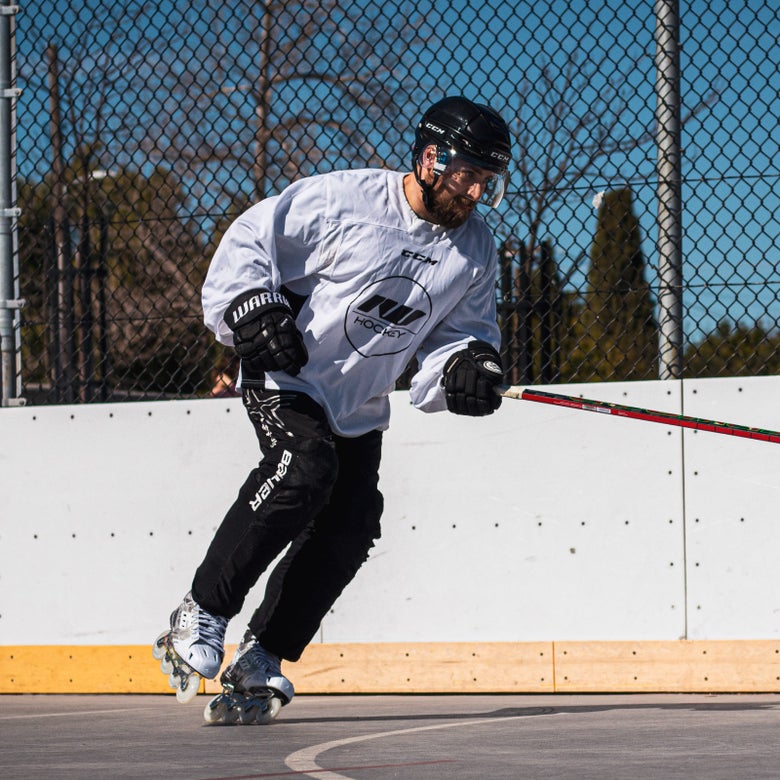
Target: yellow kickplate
x,y
462,667
81,669
739,666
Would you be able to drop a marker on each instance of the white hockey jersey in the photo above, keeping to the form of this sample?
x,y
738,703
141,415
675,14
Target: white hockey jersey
x,y
380,286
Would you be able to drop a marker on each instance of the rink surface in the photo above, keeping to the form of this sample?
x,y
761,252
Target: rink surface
x,y
409,737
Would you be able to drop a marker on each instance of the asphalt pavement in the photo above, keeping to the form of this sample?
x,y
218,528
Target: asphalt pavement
x,y
454,737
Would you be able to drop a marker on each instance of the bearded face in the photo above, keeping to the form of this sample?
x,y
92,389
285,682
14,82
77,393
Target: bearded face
x,y
449,207
451,186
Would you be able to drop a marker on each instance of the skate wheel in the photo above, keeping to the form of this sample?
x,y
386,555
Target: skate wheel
x,y
166,665
158,648
215,710
188,689
269,712
249,707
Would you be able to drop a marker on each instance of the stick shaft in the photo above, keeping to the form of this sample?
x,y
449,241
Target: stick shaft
x,y
637,413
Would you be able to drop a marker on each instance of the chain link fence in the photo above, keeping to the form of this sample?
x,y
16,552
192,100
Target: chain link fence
x,y
638,239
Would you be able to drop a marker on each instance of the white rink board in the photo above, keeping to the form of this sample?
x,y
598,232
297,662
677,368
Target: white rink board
x,y
107,511
732,489
538,523
535,523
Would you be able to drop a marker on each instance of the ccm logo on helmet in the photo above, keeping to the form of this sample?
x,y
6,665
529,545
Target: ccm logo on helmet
x,y
504,158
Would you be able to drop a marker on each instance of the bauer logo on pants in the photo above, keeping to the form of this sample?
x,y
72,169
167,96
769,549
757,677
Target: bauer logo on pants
x,y
386,316
268,486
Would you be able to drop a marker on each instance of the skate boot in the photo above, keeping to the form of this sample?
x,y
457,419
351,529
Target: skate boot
x,y
192,649
253,688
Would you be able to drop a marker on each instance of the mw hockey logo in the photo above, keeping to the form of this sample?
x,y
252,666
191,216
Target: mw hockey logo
x,y
389,311
417,256
268,486
386,316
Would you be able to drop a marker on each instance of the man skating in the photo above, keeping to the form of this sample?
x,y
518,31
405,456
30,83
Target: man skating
x,y
327,292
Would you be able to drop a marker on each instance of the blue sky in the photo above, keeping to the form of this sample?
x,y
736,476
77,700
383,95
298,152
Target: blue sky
x,y
488,51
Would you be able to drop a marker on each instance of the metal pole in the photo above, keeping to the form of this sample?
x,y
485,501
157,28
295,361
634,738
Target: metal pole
x,y
668,167
63,366
9,299
525,363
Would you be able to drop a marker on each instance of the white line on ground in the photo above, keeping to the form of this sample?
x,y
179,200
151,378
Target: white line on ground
x,y
305,761
70,714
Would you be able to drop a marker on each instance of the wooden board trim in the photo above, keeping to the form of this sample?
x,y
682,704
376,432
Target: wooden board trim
x,y
463,667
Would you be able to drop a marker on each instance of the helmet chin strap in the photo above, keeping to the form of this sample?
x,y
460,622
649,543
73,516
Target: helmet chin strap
x,y
424,186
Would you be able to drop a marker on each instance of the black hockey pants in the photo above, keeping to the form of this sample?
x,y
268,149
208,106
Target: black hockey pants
x,y
312,491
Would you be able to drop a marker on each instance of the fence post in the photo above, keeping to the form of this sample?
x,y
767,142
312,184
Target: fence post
x,y
9,299
668,167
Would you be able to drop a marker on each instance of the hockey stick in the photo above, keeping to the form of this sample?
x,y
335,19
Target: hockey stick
x,y
634,412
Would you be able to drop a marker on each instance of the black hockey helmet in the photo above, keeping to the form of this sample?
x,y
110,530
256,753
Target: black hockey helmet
x,y
467,132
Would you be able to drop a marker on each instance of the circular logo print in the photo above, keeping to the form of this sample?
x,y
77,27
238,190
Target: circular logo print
x,y
386,315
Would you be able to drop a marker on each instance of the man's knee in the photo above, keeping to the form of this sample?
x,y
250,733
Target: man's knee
x,y
353,536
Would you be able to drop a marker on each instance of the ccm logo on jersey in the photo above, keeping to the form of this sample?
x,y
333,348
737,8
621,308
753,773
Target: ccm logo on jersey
x,y
417,256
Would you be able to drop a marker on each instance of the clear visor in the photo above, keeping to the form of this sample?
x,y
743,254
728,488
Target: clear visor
x,y
470,173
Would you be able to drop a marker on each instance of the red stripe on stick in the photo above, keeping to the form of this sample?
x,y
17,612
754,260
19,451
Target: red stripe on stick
x,y
636,413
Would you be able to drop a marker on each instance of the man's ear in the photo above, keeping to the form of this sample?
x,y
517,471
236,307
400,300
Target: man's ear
x,y
428,157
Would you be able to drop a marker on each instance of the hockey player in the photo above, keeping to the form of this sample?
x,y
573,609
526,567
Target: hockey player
x,y
328,291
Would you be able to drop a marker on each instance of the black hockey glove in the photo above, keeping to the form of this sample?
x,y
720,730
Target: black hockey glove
x,y
264,333
469,378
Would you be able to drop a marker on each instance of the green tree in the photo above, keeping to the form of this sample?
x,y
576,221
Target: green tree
x,y
155,266
616,335
734,350
573,122
539,318
133,267
156,143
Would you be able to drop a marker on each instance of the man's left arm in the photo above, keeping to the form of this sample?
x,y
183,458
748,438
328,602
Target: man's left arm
x,y
459,363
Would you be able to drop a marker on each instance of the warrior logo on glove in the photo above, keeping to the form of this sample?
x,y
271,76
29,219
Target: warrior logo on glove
x,y
470,378
249,302
265,336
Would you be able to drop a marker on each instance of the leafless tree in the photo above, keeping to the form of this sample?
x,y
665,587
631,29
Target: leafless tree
x,y
282,89
575,124
168,122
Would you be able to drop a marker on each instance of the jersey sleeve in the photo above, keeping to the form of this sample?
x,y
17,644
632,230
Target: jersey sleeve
x,y
272,243
472,318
